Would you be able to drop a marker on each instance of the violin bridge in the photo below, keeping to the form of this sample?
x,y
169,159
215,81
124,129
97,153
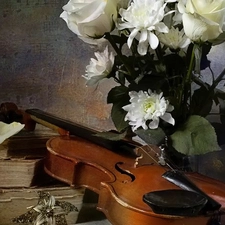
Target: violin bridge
x,y
147,155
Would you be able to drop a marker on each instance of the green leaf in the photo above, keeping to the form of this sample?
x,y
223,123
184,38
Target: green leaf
x,y
201,101
118,115
118,93
222,110
155,137
122,39
197,136
121,77
119,97
149,81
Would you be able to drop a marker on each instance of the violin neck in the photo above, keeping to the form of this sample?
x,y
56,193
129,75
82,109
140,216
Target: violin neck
x,y
50,121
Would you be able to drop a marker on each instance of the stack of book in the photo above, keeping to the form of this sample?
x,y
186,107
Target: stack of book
x,y
22,177
22,158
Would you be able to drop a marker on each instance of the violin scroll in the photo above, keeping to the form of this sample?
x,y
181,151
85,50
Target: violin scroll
x,y
9,113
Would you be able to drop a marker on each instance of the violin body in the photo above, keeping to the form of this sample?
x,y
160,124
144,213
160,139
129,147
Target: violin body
x,y
119,183
81,159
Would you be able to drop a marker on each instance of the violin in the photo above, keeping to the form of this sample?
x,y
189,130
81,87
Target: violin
x,y
131,191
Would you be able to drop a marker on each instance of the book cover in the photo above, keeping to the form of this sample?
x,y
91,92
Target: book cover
x,y
16,204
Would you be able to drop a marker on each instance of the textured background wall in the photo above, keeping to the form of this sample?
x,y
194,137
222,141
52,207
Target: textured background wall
x,y
41,63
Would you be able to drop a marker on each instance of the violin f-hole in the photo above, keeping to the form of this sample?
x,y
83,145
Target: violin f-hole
x,y
126,172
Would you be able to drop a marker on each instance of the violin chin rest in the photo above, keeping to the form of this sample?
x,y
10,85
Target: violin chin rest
x,y
175,202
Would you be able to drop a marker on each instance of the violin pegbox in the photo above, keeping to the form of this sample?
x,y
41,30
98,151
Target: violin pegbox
x,y
147,155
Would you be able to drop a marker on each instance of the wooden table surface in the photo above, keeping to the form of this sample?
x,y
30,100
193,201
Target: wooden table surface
x,y
88,214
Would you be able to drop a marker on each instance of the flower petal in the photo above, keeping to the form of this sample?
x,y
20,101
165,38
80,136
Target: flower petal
x,y
161,27
8,130
154,124
168,118
153,40
142,48
143,43
132,35
143,36
93,9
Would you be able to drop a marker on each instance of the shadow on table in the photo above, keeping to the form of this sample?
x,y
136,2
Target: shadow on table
x,y
88,211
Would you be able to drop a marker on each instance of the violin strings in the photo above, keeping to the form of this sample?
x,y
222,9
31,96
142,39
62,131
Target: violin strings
x,y
162,158
149,154
151,149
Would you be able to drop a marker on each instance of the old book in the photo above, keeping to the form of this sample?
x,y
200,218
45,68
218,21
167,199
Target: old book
x,y
26,144
16,203
22,172
22,159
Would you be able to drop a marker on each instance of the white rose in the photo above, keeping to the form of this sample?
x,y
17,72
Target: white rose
x,y
203,19
90,19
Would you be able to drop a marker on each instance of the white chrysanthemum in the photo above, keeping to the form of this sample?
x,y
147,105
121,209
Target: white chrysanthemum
x,y
143,17
147,107
175,39
100,68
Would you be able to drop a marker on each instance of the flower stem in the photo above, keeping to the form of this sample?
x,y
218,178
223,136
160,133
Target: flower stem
x,y
211,90
119,53
219,78
118,81
191,66
185,91
159,54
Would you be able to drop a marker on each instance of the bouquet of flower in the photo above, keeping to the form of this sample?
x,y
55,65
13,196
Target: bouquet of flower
x,y
158,50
